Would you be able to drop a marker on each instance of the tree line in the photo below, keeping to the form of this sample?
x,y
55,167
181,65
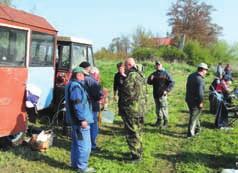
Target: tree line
x,y
194,35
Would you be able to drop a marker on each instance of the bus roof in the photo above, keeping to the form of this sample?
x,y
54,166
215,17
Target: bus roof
x,y
12,16
74,39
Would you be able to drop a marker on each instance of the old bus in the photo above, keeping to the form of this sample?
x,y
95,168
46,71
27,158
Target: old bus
x,y
27,58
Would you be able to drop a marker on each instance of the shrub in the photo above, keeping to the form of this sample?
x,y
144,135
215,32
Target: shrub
x,y
142,54
222,52
170,53
196,53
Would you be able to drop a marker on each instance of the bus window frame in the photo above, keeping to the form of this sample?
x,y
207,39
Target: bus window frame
x,y
91,50
53,51
78,44
60,58
27,40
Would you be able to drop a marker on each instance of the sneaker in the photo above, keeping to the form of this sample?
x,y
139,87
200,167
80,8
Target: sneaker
x,y
88,170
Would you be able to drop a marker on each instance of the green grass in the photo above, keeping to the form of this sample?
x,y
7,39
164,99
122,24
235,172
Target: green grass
x,y
164,151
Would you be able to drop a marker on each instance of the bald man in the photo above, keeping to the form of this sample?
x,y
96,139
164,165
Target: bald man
x,y
132,106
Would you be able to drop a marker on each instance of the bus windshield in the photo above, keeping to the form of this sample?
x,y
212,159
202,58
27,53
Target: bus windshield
x,y
42,47
12,47
79,54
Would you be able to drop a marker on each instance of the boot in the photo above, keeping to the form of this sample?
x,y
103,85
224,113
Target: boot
x,y
158,123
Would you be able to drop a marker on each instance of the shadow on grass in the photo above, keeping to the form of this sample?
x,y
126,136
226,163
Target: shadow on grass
x,y
209,160
150,128
112,130
62,143
184,111
182,125
206,111
173,134
112,155
208,125
27,154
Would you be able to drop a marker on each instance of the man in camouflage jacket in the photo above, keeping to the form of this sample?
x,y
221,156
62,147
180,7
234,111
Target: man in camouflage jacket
x,y
132,106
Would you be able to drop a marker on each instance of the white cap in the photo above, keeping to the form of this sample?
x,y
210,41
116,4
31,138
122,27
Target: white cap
x,y
203,65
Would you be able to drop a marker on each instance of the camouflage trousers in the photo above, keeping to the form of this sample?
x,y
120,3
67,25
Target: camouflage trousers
x,y
133,128
161,108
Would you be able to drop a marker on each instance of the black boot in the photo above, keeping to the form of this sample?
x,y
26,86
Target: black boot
x,y
158,123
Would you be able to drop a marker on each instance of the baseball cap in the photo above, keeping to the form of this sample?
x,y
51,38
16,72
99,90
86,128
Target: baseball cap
x,y
78,70
203,65
157,63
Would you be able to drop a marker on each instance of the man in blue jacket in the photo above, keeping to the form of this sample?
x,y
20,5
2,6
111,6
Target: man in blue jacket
x,y
79,115
194,97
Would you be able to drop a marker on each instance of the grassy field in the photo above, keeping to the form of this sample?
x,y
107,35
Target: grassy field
x,y
165,151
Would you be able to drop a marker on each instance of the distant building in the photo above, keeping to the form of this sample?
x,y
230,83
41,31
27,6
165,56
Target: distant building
x,y
166,41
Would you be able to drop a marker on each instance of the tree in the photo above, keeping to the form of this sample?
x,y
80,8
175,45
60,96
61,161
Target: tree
x,y
192,20
142,38
120,45
6,2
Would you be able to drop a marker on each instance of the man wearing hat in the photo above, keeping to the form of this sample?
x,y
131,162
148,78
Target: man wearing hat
x,y
194,98
95,94
79,115
162,84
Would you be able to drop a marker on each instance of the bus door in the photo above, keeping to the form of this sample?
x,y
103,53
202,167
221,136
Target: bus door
x,y
41,67
13,73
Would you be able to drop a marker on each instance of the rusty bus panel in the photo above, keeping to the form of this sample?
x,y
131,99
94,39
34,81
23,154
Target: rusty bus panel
x,y
12,92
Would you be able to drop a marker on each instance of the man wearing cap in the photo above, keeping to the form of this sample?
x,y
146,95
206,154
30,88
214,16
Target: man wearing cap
x,y
194,98
79,115
95,93
162,84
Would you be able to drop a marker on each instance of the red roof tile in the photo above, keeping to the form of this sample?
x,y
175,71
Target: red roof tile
x,y
163,41
24,18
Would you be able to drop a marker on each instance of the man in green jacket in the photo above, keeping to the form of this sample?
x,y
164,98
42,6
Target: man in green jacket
x,y
132,106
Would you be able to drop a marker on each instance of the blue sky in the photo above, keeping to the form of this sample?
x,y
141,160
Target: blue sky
x,y
102,20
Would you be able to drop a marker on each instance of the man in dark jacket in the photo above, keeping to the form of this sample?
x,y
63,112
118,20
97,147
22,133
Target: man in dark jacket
x,y
194,98
119,78
162,84
95,93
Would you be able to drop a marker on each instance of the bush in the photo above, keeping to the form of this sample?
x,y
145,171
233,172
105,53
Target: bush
x,y
196,53
222,52
105,54
170,53
166,52
142,54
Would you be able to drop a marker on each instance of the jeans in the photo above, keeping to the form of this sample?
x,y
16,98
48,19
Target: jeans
x,y
80,147
94,130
